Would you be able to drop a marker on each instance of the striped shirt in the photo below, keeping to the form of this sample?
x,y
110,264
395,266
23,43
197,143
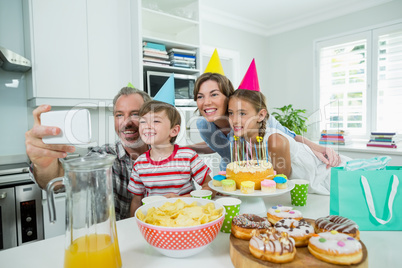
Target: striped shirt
x,y
171,175
121,171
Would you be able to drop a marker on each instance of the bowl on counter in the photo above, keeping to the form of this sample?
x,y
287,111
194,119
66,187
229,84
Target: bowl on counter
x,y
180,242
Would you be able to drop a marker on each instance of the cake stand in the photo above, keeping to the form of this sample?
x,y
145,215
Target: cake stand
x,y
253,203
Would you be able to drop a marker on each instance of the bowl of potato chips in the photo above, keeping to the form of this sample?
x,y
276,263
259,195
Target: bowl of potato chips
x,y
180,227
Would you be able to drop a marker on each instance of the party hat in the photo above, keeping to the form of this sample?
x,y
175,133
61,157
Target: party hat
x,y
166,93
214,64
250,80
130,85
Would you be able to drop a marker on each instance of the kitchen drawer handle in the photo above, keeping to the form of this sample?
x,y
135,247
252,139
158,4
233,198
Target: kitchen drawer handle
x,y
3,195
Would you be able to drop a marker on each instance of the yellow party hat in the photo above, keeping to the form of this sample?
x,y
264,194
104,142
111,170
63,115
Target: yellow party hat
x,y
214,64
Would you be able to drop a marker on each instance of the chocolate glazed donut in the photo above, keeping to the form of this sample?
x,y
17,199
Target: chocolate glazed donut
x,y
339,224
244,224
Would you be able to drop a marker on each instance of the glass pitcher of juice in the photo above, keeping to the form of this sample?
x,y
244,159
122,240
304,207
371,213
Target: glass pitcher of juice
x,y
91,238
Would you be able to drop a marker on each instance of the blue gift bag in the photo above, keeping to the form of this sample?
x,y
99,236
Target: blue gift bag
x,y
373,199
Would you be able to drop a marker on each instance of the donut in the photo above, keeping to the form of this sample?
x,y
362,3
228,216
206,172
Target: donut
x,y
339,224
336,248
300,231
244,224
280,212
272,245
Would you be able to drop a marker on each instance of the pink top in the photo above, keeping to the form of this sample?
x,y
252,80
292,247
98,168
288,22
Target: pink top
x,y
268,183
222,173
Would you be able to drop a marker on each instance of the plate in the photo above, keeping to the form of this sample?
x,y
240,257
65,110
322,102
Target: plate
x,y
257,193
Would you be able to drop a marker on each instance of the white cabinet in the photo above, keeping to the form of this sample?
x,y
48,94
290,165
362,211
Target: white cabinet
x,y
58,227
175,24
109,47
80,50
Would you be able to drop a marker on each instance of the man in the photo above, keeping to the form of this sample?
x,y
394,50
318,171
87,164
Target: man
x,y
44,157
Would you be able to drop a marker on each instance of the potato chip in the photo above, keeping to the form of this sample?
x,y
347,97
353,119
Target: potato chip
x,y
180,214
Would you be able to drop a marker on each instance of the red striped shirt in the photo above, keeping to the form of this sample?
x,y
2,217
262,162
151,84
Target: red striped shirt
x,y
171,175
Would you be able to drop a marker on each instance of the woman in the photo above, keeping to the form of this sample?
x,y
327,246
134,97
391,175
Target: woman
x,y
212,92
248,115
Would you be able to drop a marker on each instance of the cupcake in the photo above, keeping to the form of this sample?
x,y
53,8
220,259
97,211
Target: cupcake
x,y
268,186
247,187
281,181
229,185
217,180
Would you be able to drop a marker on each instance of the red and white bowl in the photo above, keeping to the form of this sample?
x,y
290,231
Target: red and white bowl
x,y
180,242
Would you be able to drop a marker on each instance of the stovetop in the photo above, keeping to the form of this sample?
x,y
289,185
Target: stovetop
x,y
17,168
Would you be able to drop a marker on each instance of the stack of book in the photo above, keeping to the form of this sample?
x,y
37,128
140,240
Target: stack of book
x,y
383,139
182,58
334,137
155,54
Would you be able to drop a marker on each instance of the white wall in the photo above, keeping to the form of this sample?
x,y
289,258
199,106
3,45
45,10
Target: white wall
x,y
289,56
248,45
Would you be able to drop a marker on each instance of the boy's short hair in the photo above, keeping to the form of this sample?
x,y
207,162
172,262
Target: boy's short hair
x,y
159,106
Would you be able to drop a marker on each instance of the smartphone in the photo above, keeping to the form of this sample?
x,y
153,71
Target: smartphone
x,y
75,126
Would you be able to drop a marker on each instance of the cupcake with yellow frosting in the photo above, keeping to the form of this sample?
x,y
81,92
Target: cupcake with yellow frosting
x,y
247,187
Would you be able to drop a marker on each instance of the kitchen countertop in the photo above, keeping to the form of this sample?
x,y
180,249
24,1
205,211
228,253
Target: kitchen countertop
x,y
382,247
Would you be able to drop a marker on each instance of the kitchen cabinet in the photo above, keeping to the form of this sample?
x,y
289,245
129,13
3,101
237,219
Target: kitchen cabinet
x,y
174,24
80,50
59,226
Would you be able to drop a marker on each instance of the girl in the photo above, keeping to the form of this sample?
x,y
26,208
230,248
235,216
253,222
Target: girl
x,y
248,116
211,92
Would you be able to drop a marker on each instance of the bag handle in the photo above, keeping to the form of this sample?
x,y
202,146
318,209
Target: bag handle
x,y
369,197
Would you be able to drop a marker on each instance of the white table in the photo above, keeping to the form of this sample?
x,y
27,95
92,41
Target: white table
x,y
383,247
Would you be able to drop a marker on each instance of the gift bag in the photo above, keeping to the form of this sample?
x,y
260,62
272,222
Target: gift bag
x,y
373,199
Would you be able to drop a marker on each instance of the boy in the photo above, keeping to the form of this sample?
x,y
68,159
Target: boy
x,y
166,169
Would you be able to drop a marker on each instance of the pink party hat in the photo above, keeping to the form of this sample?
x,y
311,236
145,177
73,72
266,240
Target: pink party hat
x,y
166,93
250,80
214,64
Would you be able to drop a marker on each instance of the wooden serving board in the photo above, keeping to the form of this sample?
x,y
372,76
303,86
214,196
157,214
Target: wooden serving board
x,y
242,258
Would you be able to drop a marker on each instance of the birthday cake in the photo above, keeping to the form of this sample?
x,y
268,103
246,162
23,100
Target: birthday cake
x,y
251,170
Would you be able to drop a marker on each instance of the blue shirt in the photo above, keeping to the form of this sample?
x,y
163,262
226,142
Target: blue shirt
x,y
220,143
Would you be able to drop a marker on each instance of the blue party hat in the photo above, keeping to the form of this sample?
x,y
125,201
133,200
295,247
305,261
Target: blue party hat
x,y
166,93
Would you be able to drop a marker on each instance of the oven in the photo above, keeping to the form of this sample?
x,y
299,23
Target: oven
x,y
21,215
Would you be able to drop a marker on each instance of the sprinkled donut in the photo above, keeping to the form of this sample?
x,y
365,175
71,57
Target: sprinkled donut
x,y
244,224
272,245
279,212
337,223
300,231
336,248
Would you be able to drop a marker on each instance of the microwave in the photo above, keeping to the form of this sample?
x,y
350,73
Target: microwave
x,y
183,86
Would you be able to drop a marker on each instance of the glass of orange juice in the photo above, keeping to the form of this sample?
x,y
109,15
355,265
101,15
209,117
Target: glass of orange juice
x,y
91,237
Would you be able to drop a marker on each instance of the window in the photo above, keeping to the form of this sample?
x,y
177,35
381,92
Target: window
x,y
360,81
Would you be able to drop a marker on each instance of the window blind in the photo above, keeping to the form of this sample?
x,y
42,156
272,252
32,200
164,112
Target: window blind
x,y
343,86
389,82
